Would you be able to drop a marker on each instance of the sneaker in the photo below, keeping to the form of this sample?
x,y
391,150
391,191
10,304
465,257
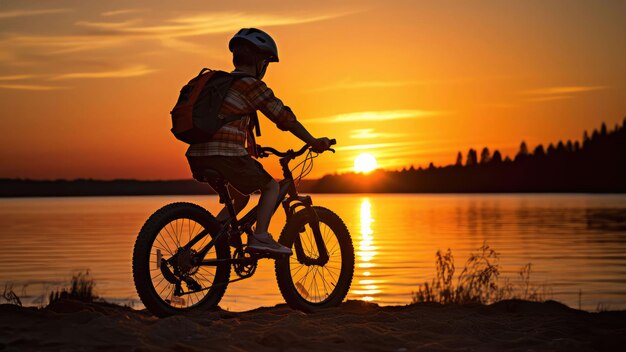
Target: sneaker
x,y
266,243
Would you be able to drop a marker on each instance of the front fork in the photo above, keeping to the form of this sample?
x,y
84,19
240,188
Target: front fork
x,y
291,205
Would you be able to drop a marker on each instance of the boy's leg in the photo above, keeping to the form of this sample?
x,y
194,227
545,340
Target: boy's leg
x,y
267,202
247,175
239,202
262,240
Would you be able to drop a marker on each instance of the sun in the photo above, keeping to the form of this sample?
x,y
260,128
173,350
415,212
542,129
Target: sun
x,y
365,163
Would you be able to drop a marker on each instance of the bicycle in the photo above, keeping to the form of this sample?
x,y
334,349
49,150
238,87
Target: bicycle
x,y
173,277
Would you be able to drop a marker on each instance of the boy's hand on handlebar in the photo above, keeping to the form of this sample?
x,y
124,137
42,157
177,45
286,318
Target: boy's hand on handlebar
x,y
321,144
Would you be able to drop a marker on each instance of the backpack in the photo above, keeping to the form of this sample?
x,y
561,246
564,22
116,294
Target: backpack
x,y
195,115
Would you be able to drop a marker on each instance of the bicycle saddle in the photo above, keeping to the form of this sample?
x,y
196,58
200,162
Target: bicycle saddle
x,y
211,176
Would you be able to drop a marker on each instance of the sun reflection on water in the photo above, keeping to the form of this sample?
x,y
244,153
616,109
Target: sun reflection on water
x,y
366,287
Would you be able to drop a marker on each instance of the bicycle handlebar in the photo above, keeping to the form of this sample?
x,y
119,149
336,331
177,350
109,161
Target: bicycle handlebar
x,y
263,151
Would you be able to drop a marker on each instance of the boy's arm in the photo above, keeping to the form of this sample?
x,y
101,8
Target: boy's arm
x,y
319,144
264,100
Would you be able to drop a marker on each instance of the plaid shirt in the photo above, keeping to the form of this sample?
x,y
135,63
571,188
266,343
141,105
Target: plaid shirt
x,y
245,96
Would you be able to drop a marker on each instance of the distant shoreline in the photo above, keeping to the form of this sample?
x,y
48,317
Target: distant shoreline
x,y
596,165
25,188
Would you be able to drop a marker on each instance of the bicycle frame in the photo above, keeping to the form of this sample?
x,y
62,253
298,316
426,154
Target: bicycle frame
x,y
233,228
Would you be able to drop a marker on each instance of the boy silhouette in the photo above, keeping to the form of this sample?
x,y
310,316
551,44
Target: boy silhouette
x,y
232,148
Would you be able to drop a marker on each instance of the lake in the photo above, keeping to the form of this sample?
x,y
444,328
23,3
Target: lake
x,y
575,242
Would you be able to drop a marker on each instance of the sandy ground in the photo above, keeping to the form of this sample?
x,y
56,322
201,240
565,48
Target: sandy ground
x,y
355,325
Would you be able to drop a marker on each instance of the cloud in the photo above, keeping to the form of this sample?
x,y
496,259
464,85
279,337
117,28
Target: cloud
x,y
558,93
345,85
563,90
24,13
61,43
121,12
170,31
135,71
15,77
108,26
377,116
377,146
29,87
550,98
368,133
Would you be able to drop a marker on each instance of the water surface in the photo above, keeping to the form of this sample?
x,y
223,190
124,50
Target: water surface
x,y
576,243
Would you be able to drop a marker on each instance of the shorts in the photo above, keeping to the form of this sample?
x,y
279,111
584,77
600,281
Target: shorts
x,y
242,172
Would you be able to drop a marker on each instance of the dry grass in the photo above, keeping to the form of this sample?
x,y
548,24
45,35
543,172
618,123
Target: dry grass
x,y
9,296
478,282
81,289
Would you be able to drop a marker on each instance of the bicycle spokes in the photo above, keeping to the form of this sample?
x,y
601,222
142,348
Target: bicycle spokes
x,y
174,275
315,280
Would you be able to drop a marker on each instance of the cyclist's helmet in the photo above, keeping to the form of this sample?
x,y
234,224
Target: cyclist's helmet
x,y
261,40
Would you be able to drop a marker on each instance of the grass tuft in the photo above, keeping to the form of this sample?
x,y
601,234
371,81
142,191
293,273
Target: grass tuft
x,y
478,282
81,289
9,296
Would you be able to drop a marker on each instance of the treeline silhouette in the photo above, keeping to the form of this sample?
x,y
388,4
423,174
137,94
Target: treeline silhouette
x,y
595,164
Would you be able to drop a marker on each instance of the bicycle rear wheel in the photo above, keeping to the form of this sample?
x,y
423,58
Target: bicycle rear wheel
x,y
310,287
163,236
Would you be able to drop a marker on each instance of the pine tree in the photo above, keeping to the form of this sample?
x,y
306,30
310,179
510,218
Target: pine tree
x,y
539,151
497,157
523,151
595,135
485,156
459,159
472,158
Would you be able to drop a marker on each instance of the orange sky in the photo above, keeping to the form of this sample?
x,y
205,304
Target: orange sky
x,y
86,87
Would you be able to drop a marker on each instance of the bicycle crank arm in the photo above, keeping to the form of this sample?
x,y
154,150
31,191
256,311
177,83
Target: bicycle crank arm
x,y
181,293
216,262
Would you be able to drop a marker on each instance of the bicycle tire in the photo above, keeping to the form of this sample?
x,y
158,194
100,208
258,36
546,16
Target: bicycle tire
x,y
143,249
283,270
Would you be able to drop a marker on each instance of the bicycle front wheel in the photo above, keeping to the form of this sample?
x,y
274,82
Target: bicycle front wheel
x,y
308,285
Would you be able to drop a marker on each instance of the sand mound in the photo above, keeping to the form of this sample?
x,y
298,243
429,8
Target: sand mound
x,y
355,325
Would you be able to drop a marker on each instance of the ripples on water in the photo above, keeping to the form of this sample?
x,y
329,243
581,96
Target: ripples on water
x,y
576,243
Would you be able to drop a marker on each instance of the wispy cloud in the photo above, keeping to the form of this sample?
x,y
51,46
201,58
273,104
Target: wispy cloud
x,y
376,146
24,13
29,87
58,44
135,71
550,98
377,116
346,85
558,93
170,31
108,26
563,90
15,77
121,12
369,133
